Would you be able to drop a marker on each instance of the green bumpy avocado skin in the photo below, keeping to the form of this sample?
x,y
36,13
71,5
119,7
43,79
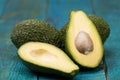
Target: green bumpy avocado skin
x,y
101,25
34,30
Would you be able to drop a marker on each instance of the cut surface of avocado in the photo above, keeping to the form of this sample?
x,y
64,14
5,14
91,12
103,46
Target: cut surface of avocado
x,y
101,25
46,58
83,41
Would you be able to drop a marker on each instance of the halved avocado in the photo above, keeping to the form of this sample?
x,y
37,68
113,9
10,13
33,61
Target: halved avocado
x,y
83,42
46,58
101,25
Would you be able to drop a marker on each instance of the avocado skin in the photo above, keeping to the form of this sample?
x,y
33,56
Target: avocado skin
x,y
47,70
101,25
34,30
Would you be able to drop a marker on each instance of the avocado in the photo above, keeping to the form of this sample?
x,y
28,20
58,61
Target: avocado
x,y
47,58
83,42
101,25
34,30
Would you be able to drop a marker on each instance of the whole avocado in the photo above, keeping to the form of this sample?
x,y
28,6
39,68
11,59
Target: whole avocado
x,y
34,30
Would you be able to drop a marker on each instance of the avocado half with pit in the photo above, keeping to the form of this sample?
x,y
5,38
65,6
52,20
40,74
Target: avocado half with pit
x,y
101,25
83,42
47,58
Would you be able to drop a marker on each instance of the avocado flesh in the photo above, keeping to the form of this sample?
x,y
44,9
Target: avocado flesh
x,y
79,22
46,58
34,30
101,25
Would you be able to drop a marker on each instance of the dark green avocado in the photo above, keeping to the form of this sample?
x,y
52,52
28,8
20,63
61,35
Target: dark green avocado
x,y
101,25
34,30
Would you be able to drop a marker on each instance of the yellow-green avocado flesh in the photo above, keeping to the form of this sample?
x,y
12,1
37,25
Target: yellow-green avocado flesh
x,y
83,42
46,58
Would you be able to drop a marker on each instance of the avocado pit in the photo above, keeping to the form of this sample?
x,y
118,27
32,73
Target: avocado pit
x,y
83,42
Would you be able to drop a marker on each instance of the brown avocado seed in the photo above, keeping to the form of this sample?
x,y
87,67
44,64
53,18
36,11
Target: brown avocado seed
x,y
83,42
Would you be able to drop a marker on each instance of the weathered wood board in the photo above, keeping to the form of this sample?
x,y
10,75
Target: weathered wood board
x,y
56,12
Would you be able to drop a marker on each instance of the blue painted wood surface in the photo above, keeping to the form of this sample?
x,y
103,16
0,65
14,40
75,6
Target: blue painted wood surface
x,y
56,12
110,11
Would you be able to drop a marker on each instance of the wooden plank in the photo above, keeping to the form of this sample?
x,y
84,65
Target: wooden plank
x,y
110,11
2,5
11,67
17,10
57,14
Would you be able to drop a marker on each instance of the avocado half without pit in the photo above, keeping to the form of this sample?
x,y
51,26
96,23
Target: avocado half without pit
x,y
47,58
83,42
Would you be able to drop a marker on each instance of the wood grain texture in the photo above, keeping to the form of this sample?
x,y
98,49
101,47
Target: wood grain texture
x,y
13,11
2,3
55,12
11,67
17,10
110,11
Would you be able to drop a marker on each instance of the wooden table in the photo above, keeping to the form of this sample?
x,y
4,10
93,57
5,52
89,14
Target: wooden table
x,y
56,12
